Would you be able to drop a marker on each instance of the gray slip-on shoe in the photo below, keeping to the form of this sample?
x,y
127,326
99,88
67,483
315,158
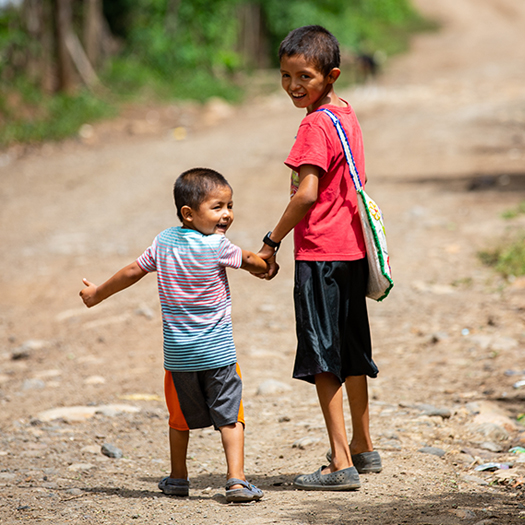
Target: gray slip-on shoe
x,y
365,463
345,479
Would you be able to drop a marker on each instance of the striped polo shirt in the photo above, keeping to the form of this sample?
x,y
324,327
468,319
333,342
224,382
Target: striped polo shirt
x,y
194,296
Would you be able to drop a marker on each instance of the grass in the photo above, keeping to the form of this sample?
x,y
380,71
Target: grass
x,y
507,259
28,116
514,212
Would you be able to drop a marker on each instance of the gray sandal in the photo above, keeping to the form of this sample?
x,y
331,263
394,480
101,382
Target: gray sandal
x,y
174,486
248,492
346,479
365,463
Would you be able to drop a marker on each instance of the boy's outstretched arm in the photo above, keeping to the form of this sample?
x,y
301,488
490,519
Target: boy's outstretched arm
x,y
253,263
297,208
93,294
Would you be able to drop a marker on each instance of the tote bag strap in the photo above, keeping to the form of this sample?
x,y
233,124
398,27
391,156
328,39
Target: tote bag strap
x,y
346,148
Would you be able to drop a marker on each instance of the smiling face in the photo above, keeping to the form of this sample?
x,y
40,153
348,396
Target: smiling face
x,y
305,84
214,215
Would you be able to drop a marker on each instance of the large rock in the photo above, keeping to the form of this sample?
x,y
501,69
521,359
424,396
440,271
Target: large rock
x,y
490,416
81,413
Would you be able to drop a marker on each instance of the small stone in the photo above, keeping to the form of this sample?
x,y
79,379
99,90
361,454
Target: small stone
x,y
145,311
111,451
94,380
33,384
492,447
74,492
435,451
390,445
464,514
29,346
91,449
474,479
504,344
77,467
438,336
430,410
272,386
492,431
304,442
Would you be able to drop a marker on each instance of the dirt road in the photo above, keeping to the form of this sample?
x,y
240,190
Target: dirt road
x,y
444,130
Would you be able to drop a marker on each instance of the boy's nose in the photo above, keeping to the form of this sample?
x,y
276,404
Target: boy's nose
x,y
294,84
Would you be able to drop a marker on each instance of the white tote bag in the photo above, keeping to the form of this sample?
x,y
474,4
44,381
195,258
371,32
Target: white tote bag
x,y
380,280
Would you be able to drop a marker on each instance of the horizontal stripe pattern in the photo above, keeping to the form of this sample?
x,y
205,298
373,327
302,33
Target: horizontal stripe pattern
x,y
194,296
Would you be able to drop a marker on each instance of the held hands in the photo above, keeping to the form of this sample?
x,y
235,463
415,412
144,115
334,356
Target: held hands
x,y
89,293
268,254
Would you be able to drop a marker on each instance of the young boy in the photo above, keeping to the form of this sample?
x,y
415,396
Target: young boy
x,y
331,270
202,380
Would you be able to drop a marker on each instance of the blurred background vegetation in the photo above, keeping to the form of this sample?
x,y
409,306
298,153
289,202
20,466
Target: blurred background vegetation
x,y
67,62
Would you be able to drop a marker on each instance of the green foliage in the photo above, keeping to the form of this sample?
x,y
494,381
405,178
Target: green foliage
x,y
508,259
514,212
168,36
177,49
13,40
34,117
129,78
199,34
359,25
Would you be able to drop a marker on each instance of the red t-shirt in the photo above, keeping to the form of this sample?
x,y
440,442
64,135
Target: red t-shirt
x,y
331,230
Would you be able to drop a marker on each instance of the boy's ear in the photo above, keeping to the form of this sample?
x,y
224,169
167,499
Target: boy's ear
x,y
333,75
187,213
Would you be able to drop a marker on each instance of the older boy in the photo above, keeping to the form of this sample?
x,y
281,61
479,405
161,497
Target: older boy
x,y
331,270
203,385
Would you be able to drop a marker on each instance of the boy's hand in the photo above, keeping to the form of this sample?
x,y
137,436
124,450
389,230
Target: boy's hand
x,y
89,293
273,268
268,254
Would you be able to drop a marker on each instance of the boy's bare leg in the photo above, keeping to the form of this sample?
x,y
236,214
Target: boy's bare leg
x,y
233,442
357,391
178,451
330,394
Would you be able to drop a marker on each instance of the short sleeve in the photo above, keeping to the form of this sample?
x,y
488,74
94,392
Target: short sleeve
x,y
312,146
229,255
148,260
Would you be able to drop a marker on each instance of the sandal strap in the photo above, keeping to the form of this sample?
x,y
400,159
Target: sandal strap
x,y
235,481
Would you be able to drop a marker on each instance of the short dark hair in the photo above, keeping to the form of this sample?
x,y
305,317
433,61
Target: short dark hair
x,y
316,44
193,186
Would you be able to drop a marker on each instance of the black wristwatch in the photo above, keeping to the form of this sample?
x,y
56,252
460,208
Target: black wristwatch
x,y
270,243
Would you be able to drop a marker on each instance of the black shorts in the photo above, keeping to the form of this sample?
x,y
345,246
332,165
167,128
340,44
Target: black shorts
x,y
333,333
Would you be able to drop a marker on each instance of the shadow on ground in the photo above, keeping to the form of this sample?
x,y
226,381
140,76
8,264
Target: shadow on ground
x,y
443,509
498,182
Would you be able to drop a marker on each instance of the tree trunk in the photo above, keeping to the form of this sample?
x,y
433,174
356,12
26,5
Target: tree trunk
x,y
93,31
252,42
63,28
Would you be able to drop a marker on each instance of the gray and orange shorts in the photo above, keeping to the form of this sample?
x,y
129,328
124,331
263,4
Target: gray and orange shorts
x,y
204,398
